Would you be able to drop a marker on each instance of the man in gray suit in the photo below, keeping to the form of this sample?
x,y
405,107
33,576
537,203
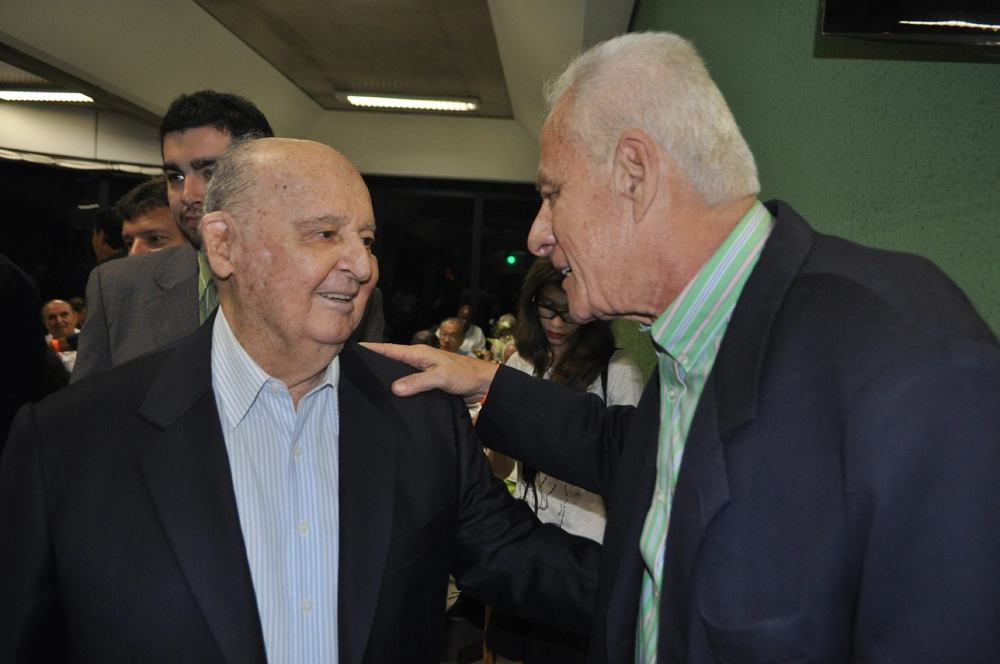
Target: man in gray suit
x,y
147,302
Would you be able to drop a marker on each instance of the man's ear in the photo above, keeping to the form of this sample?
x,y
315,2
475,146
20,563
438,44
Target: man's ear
x,y
217,239
637,170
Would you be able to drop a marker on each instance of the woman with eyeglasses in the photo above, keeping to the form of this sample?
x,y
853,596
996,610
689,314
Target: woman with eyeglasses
x,y
552,346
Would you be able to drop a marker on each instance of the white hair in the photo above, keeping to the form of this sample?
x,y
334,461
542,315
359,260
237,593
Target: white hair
x,y
656,82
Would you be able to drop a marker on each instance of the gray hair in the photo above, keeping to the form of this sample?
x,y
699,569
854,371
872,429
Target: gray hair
x,y
656,82
456,321
232,178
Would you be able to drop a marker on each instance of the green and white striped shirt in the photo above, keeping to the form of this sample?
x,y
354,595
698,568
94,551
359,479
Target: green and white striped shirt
x,y
687,337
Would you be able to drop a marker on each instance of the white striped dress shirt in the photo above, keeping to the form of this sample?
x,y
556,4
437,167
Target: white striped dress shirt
x,y
285,472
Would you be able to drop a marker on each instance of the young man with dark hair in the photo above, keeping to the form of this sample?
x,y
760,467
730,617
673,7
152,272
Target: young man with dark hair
x,y
196,130
228,113
147,223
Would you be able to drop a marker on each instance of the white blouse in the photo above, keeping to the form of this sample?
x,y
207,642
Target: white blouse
x,y
571,508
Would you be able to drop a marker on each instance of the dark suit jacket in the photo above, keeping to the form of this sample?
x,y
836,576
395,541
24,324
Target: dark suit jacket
x,y
839,494
143,303
120,538
22,344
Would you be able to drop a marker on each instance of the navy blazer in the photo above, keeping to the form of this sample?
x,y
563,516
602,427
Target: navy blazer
x,y
120,538
839,494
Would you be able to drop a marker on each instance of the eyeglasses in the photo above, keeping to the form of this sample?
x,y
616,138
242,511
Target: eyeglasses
x,y
548,313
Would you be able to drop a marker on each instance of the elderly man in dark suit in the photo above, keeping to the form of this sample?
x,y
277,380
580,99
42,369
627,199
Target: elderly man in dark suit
x,y
813,474
260,494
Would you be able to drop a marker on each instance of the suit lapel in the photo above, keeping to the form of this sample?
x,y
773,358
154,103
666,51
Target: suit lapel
x,y
187,473
368,443
621,562
740,362
172,307
728,402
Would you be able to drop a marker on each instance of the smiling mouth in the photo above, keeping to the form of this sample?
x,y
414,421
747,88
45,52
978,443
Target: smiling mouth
x,y
337,297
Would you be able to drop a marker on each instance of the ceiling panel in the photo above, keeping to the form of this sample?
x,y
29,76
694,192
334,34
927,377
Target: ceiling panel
x,y
414,47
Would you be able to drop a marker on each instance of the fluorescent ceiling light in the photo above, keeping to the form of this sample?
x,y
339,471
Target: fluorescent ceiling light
x,y
409,103
955,24
88,206
35,95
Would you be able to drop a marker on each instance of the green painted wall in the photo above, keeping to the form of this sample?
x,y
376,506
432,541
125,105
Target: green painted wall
x,y
880,143
628,336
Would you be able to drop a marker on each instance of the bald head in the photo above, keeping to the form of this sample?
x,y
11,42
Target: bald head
x,y
288,231
268,169
59,318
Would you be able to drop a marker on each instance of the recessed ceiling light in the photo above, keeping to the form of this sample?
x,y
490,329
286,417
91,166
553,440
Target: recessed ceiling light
x,y
369,100
37,95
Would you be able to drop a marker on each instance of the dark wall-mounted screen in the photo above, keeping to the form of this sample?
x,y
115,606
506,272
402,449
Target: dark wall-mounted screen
x,y
948,21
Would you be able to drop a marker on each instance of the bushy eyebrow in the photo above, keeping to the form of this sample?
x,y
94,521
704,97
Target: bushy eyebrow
x,y
547,303
318,223
543,182
196,165
326,222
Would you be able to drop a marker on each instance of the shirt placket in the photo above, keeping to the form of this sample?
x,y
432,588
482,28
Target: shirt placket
x,y
306,600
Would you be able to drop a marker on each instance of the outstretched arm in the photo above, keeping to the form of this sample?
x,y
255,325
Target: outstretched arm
x,y
441,370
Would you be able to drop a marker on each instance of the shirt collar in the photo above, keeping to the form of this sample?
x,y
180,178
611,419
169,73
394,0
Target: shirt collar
x,y
239,380
680,329
204,274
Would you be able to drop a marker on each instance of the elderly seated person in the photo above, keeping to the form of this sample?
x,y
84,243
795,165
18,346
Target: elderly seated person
x,y
60,321
452,335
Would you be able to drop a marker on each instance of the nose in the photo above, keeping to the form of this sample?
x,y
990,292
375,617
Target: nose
x,y
359,261
541,241
194,190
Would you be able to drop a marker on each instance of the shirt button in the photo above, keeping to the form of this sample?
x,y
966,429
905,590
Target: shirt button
x,y
303,527
307,606
672,393
274,387
297,451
